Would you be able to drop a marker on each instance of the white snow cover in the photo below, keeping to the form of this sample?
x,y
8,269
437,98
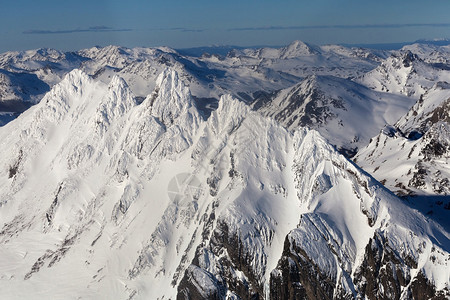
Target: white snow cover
x,y
346,113
404,73
105,198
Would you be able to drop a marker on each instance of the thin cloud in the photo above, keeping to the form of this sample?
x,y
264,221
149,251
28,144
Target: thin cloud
x,y
181,29
268,28
192,30
90,29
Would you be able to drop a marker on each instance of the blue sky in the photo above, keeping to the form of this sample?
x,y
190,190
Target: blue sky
x,y
71,25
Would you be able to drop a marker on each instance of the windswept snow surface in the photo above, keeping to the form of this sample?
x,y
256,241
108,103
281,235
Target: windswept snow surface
x,y
106,197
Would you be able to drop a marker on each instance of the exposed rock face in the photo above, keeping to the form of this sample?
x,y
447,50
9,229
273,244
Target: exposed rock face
x,y
383,274
422,289
235,275
298,277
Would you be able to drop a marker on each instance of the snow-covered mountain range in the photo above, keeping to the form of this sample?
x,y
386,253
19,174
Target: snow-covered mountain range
x,y
147,174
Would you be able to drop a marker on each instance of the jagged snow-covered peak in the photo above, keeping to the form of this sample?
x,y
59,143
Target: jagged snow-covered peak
x,y
173,97
342,211
346,113
76,78
81,117
40,123
72,84
117,102
404,73
228,115
65,95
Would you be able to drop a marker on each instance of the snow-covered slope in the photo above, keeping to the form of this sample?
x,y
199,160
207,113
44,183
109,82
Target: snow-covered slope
x,y
107,197
347,114
404,73
412,157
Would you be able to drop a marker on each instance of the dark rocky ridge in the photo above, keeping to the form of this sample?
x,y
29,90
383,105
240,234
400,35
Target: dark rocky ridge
x,y
383,274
